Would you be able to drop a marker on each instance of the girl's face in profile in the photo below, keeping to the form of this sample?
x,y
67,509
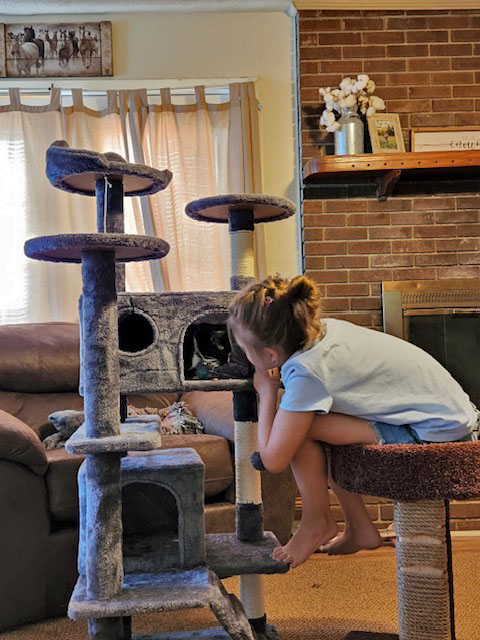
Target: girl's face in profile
x,y
263,358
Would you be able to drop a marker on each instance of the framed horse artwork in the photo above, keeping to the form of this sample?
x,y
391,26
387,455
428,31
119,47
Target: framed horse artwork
x,y
52,50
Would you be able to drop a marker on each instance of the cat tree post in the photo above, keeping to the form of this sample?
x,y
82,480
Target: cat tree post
x,y
109,196
242,211
101,405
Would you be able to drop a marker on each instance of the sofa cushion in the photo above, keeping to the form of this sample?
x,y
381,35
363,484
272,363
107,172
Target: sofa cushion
x,y
61,476
214,409
19,443
39,358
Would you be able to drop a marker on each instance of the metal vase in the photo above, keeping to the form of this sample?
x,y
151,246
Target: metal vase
x,y
349,139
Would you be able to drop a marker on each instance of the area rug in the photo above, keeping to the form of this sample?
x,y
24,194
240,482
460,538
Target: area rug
x,y
323,599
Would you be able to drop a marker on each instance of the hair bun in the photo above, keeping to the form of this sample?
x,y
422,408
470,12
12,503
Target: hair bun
x,y
300,288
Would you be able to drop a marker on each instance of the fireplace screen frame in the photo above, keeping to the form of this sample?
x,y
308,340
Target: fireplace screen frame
x,y
404,298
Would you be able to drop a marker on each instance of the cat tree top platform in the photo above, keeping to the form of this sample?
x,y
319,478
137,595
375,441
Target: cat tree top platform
x,y
77,171
68,247
217,208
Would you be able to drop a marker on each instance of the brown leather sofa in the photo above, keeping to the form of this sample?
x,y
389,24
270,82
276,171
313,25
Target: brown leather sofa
x,y
39,366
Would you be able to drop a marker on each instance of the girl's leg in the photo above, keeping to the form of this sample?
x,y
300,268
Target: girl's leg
x,y
317,526
360,532
309,467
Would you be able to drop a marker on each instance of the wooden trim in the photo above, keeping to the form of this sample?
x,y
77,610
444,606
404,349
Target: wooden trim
x,y
385,168
469,284
372,163
381,5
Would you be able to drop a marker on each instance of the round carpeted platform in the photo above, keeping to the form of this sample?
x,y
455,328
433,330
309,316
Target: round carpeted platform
x,y
77,171
68,247
404,472
217,208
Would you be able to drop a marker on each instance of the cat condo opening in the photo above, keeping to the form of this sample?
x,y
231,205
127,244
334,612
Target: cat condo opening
x,y
206,348
150,528
443,318
136,332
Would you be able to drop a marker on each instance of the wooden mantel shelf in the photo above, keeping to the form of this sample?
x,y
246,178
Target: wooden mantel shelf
x,y
385,168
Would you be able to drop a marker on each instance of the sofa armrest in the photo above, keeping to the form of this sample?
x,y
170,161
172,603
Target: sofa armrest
x,y
19,443
23,545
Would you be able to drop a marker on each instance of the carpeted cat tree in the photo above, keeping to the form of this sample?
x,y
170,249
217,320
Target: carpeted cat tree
x,y
136,343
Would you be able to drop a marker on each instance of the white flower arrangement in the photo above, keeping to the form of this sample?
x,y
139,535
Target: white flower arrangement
x,y
350,93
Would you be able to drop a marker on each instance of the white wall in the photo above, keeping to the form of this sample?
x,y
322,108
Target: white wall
x,y
223,45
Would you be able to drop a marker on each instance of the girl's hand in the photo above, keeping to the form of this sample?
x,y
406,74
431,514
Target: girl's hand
x,y
267,382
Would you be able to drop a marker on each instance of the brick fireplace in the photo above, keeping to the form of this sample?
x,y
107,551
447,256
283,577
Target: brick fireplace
x,y
426,65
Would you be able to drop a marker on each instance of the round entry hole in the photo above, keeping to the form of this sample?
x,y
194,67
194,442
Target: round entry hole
x,y
135,332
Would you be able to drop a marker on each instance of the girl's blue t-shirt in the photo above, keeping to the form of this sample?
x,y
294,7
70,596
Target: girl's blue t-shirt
x,y
376,376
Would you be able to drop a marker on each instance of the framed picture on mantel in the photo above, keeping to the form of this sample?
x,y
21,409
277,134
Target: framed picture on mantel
x,y
386,133
446,139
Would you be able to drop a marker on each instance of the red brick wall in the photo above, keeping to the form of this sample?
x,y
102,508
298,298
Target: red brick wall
x,y
427,68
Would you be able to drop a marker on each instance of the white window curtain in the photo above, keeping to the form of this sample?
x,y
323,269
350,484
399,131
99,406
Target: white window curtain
x,y
210,149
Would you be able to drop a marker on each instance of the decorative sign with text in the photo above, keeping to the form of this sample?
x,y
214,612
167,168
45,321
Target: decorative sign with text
x,y
446,139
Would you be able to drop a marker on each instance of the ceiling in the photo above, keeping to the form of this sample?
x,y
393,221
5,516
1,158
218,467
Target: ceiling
x,y
37,7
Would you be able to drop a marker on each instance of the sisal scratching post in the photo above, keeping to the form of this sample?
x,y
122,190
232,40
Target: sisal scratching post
x,y
423,571
242,251
248,497
242,211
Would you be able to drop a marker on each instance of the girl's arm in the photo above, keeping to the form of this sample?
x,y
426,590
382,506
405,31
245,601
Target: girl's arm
x,y
280,432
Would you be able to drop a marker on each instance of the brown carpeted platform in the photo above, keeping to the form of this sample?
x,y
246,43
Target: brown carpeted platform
x,y
409,471
324,599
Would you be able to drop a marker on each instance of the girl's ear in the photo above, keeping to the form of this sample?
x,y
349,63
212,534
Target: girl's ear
x,y
275,356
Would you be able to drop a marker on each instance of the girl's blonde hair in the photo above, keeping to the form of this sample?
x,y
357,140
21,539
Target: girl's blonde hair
x,y
278,311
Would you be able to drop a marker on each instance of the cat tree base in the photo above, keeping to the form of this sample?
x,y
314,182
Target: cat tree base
x,y
166,591
211,633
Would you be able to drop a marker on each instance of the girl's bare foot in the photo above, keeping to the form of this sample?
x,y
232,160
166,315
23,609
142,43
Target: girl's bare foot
x,y
307,539
350,542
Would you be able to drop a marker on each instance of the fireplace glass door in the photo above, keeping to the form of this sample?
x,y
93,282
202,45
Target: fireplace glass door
x,y
443,318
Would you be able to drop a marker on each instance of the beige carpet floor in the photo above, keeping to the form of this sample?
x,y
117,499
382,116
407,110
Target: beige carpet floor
x,y
323,599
